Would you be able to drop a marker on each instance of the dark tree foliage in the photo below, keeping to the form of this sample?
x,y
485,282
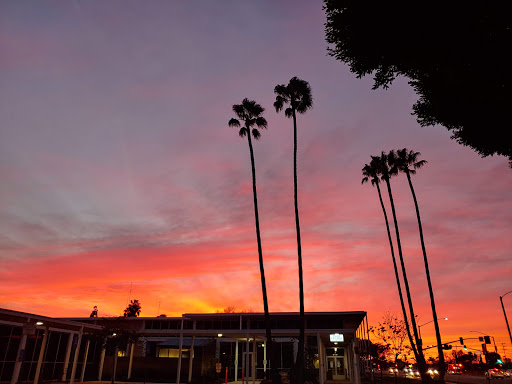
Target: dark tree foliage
x,y
133,309
454,53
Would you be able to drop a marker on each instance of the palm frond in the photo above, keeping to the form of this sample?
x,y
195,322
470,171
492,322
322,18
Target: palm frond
x,y
288,112
279,103
256,134
239,111
234,123
242,132
261,122
365,180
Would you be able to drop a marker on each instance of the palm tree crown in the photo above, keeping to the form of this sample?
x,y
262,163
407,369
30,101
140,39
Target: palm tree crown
x,y
371,173
297,93
405,160
250,113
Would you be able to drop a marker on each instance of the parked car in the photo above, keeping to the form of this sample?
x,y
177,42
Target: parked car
x,y
495,373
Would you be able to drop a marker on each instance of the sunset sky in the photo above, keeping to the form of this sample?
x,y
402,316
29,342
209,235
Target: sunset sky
x,y
119,172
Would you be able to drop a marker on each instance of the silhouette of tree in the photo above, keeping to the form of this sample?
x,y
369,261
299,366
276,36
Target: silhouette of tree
x,y
372,172
133,309
94,312
386,173
249,113
407,162
298,95
452,53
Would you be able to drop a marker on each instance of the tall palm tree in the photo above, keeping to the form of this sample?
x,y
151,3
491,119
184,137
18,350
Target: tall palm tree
x,y
249,113
298,95
407,161
386,173
371,173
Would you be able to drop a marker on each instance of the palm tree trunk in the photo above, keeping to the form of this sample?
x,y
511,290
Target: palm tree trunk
x,y
300,352
404,311
420,359
268,342
442,365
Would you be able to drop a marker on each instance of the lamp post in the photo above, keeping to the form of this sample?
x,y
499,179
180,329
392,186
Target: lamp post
x,y
505,314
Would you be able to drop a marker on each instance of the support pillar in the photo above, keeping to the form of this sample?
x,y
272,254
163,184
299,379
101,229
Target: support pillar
x,y
178,374
75,360
102,361
254,358
265,357
236,361
41,355
19,359
247,347
356,375
130,364
82,374
321,357
191,359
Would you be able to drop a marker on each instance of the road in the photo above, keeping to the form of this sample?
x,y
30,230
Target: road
x,y
467,379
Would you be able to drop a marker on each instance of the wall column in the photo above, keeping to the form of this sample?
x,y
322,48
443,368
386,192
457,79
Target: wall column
x,y
130,364
178,374
265,357
321,363
75,360
41,355
102,361
19,359
236,361
254,358
66,359
82,374
356,374
191,359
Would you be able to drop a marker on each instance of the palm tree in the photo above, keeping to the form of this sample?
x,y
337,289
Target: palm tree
x,y
406,161
298,95
249,113
371,173
386,173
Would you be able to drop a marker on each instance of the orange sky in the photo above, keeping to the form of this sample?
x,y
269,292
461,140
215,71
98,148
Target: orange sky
x,y
119,172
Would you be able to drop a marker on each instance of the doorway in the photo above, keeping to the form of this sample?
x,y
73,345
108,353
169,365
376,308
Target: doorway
x,y
248,371
336,367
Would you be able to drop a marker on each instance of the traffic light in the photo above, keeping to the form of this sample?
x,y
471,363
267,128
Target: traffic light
x,y
461,341
465,348
487,340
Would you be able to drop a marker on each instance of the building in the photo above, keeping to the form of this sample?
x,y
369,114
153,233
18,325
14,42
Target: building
x,y
186,349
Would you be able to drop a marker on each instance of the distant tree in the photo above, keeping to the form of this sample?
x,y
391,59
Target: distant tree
x,y
94,312
391,334
453,54
162,315
296,94
133,309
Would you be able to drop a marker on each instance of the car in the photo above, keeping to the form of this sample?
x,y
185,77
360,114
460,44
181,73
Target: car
x,y
495,373
433,372
508,372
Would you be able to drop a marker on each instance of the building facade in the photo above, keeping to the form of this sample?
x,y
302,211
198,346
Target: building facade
x,y
187,349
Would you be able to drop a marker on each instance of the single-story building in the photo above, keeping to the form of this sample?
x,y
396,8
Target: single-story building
x,y
187,349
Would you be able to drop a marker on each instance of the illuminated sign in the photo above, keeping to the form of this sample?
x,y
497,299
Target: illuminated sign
x,y
336,337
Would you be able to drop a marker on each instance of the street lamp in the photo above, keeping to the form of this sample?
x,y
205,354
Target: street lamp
x,y
431,321
504,313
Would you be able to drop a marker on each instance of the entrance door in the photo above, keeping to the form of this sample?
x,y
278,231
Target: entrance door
x,y
248,370
336,366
